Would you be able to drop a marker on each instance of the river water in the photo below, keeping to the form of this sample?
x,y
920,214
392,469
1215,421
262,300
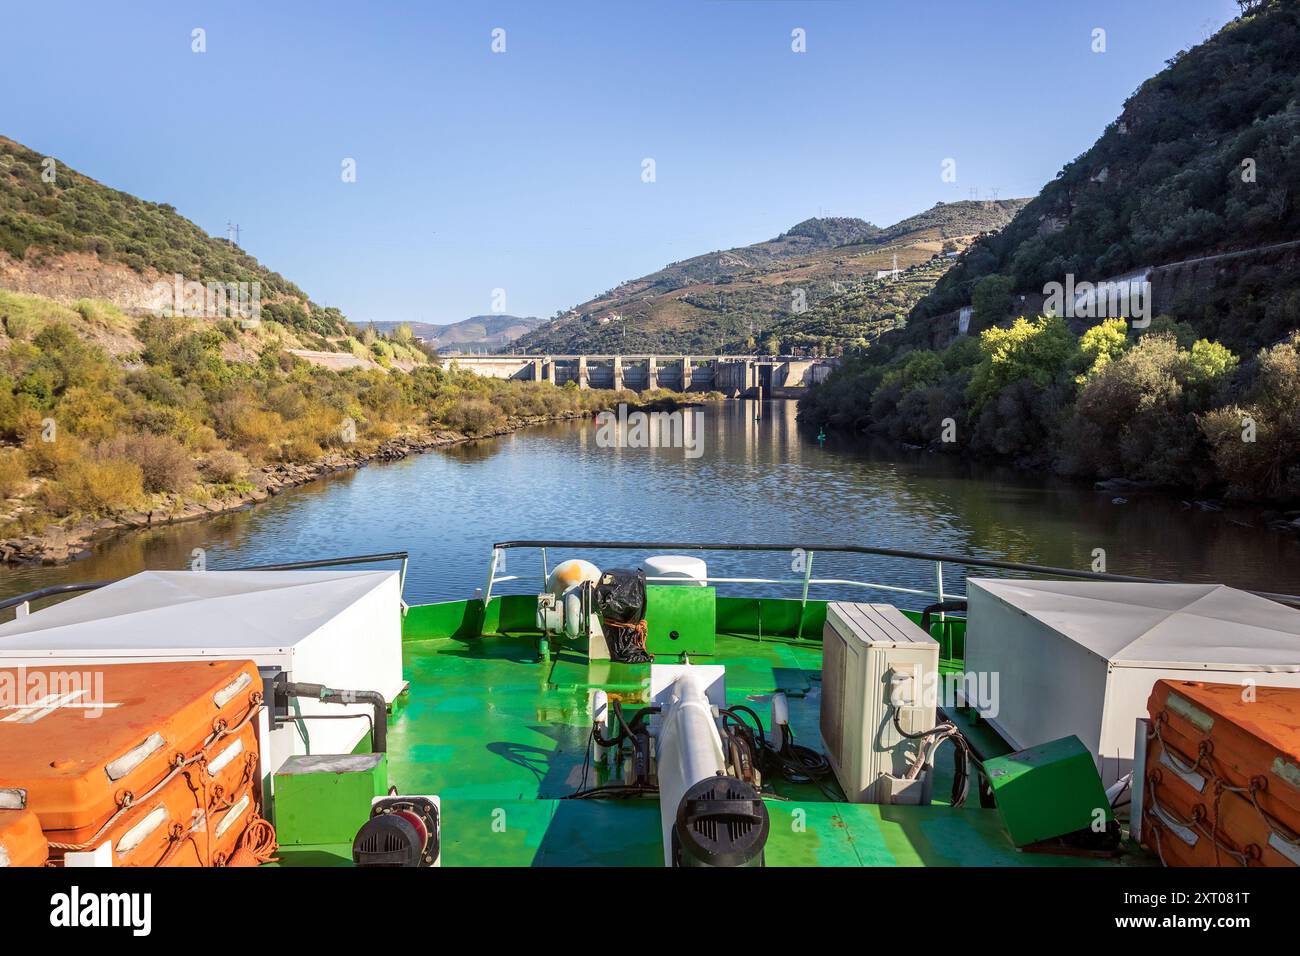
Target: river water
x,y
757,478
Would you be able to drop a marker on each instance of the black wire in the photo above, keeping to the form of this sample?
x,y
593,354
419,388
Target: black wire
x,y
793,762
626,730
586,757
962,756
612,791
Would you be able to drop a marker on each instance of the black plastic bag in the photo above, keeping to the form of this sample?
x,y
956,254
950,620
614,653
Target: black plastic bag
x,y
620,599
620,596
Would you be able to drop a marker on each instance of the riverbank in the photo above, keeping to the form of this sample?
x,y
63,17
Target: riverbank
x,y
1158,407
58,544
110,421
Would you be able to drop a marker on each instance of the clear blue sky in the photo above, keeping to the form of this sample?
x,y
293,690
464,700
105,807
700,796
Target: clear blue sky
x,y
522,170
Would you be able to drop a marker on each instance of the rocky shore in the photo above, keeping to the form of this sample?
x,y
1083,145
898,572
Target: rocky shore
x,y
59,543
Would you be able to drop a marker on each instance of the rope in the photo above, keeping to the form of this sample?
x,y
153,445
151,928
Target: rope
x,y
256,846
1205,763
630,645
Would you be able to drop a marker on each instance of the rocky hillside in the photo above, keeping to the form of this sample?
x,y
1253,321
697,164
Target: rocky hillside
x,y
66,237
729,301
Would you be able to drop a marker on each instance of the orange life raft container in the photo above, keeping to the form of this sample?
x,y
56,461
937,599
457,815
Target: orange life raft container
x,y
160,760
1222,775
21,841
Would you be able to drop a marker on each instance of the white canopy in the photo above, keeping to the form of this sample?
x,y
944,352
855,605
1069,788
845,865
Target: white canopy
x,y
181,613
1162,625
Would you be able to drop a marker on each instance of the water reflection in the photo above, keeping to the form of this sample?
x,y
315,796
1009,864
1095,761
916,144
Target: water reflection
x,y
760,478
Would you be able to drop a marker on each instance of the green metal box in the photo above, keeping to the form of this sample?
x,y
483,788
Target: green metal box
x,y
1047,791
326,798
681,619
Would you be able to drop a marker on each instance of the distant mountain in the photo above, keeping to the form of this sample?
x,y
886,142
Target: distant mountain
x,y
65,236
479,333
729,301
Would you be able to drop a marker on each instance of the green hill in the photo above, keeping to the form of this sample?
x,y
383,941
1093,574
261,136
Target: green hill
x,y
1207,397
41,220
1204,158
734,300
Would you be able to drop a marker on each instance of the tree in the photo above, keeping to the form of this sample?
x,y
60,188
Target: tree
x,y
1036,351
1100,345
991,299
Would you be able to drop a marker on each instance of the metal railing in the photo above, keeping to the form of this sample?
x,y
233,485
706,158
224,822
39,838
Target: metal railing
x,y
21,603
809,550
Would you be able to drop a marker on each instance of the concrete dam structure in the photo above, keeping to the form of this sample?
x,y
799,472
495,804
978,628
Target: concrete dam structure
x,y
740,376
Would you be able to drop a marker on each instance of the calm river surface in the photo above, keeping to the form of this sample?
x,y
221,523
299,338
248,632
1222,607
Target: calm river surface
x,y
756,481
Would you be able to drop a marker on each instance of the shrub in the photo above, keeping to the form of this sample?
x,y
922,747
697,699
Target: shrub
x,y
1021,422
474,416
165,464
1256,449
225,467
95,487
299,450
1207,363
48,458
242,422
90,413
1137,416
13,472
21,326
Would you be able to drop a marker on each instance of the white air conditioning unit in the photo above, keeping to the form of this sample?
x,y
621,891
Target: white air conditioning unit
x,y
876,662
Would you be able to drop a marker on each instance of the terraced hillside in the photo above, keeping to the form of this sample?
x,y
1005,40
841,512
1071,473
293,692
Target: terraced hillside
x,y
732,301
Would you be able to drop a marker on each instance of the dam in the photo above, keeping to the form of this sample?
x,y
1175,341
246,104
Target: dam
x,y
737,376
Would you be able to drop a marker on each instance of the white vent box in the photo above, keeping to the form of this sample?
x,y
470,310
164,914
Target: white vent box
x,y
1081,657
875,663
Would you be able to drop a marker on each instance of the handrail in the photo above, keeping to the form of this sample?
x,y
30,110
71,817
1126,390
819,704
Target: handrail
x,y
53,589
50,591
325,562
964,560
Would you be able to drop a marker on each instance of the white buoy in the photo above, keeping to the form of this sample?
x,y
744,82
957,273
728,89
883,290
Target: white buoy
x,y
678,568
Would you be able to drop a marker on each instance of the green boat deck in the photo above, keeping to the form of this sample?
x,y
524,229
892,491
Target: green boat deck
x,y
501,737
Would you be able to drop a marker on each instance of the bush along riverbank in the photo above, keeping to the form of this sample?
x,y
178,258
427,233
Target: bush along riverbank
x,y
63,541
1160,408
109,422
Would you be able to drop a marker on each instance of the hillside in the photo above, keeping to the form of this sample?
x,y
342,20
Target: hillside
x,y
1207,397
479,333
730,301
1204,158
74,238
